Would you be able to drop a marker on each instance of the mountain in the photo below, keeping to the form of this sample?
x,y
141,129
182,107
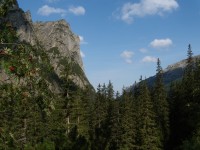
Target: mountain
x,y
55,38
44,92
172,73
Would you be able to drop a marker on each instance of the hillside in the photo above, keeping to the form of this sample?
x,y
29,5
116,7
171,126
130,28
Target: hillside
x,y
172,73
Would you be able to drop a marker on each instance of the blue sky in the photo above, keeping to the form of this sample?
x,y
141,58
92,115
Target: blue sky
x,y
121,39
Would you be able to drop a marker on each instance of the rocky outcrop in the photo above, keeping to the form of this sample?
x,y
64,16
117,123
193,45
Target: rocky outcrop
x,y
181,64
22,23
49,35
59,35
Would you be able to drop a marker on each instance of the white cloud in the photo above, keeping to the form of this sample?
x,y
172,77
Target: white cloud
x,y
146,7
127,56
52,1
143,50
47,10
77,10
149,59
82,54
161,43
82,41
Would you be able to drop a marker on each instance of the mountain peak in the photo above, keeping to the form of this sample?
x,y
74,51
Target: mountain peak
x,y
49,35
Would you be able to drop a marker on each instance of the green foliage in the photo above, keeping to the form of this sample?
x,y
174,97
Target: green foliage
x,y
161,106
185,106
193,143
34,116
5,5
148,133
45,145
127,121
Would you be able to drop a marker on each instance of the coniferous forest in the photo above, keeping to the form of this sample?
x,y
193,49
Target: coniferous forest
x,y
33,117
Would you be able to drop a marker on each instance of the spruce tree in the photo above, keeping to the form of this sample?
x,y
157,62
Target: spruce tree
x,y
110,117
127,121
185,110
100,112
148,134
189,58
115,130
161,106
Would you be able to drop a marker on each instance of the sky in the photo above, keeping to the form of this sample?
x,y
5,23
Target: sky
x,y
122,39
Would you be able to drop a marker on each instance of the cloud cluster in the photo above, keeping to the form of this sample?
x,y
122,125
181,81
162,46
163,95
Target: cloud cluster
x,y
161,43
148,59
47,10
156,43
146,7
127,56
77,10
52,1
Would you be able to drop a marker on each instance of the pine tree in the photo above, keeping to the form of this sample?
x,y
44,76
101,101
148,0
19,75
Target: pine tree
x,y
127,121
148,136
110,117
87,111
196,90
100,113
189,58
115,130
161,106
185,111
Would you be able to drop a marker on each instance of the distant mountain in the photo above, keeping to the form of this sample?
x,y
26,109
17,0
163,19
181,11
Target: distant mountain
x,y
172,73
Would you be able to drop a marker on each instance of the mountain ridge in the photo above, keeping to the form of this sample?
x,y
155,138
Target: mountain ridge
x,y
172,72
55,37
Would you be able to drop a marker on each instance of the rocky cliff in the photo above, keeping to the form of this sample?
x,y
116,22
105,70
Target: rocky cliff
x,y
22,23
55,35
59,35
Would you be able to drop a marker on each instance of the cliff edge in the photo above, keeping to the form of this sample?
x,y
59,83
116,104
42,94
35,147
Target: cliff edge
x,y
55,37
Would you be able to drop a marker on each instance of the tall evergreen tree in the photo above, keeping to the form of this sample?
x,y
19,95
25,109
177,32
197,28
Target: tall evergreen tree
x,y
184,110
100,113
127,121
115,131
189,58
110,114
161,106
148,135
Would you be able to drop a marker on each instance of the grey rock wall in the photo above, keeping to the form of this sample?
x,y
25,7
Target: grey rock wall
x,y
59,35
55,34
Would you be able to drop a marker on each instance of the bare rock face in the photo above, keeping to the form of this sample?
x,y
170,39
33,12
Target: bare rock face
x,y
59,35
181,64
56,34
22,23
